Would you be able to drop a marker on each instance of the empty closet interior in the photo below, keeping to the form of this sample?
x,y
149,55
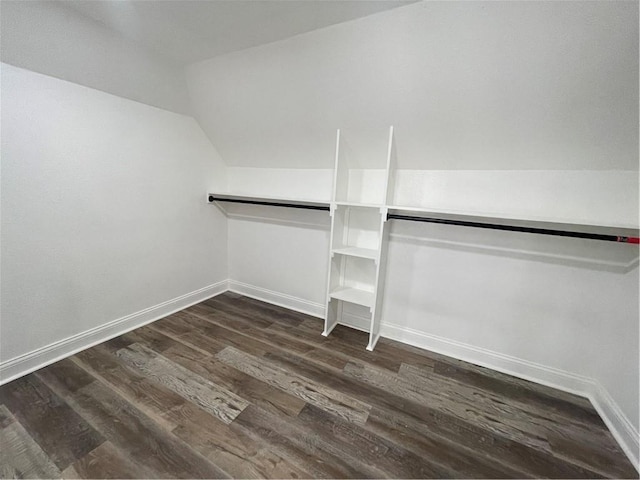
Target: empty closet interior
x,y
458,177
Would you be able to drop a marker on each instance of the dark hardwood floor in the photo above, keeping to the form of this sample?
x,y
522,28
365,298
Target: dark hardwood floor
x,y
234,387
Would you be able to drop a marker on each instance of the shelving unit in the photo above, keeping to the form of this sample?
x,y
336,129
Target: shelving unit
x,y
358,238
361,204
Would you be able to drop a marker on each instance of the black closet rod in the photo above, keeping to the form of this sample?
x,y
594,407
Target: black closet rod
x,y
461,223
213,198
514,228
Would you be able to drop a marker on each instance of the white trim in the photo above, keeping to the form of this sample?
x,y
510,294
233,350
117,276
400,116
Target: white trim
x,y
276,298
29,362
619,425
535,372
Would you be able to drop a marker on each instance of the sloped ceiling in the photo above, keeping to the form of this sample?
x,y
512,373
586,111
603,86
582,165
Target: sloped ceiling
x,y
188,31
467,85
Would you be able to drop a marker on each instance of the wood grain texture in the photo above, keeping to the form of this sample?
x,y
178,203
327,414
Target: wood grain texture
x,y
216,400
366,447
63,434
493,390
106,461
237,455
253,390
311,392
153,399
234,387
394,412
301,446
20,455
146,443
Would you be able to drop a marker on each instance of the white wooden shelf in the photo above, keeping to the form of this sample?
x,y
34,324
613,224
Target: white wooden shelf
x,y
357,252
474,216
504,222
354,295
359,205
519,221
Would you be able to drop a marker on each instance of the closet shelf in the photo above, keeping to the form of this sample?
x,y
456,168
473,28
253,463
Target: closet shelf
x,y
361,205
620,233
353,295
623,234
357,252
269,201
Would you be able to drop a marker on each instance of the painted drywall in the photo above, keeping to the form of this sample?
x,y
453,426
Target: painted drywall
x,y
301,183
104,211
583,197
468,85
281,251
51,38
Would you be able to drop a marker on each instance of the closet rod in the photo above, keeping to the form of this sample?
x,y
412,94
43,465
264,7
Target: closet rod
x,y
213,198
444,221
514,228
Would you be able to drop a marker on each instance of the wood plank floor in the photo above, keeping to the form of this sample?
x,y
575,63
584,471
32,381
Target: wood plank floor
x,y
233,387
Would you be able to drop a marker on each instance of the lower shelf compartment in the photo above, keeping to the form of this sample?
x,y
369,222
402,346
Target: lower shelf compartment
x,y
353,295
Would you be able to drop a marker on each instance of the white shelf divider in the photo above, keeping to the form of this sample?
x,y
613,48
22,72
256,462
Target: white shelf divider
x,y
356,228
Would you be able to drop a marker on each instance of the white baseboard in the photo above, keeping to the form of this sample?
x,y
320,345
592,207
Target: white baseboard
x,y
619,425
27,363
276,298
552,377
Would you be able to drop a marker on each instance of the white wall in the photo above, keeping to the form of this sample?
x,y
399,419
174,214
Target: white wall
x,y
50,38
281,251
469,85
103,210
583,197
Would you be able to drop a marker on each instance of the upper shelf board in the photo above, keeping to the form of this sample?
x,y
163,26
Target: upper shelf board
x,y
442,214
270,201
538,223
